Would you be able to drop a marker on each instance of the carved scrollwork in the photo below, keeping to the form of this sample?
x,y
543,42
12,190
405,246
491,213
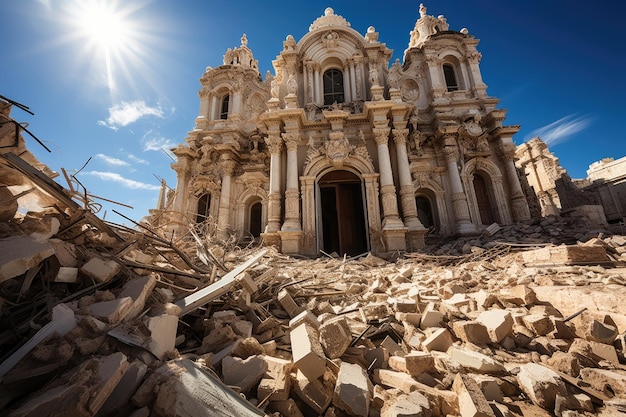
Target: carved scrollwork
x,y
338,148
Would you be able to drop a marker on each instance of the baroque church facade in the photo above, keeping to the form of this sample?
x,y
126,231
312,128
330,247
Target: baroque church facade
x,y
342,151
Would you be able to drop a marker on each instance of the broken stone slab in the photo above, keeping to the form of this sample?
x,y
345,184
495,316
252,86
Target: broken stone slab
x,y
476,361
243,373
472,401
541,384
471,331
21,253
126,387
520,295
182,388
67,274
138,289
600,301
314,392
162,337
540,324
80,392
288,303
604,380
307,351
353,390
335,337
276,382
499,323
100,270
565,255
287,408
62,322
439,340
113,311
413,404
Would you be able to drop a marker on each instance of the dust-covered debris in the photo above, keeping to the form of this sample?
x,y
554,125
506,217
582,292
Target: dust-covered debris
x,y
103,320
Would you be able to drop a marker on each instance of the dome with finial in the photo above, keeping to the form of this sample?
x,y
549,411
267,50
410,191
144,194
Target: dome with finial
x,y
329,19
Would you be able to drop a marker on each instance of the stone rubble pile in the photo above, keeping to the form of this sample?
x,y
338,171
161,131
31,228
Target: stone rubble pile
x,y
101,320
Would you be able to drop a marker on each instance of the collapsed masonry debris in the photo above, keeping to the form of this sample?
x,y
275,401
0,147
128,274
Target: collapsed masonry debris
x,y
102,320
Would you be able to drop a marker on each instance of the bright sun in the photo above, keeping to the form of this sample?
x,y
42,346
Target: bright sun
x,y
104,26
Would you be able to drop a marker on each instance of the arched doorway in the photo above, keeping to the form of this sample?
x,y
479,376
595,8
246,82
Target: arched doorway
x,y
483,200
341,213
256,210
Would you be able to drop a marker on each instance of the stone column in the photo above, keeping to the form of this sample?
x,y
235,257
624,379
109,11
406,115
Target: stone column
x,y
347,95
292,195
407,192
213,108
223,215
477,81
274,143
309,242
318,97
352,80
393,228
519,205
459,199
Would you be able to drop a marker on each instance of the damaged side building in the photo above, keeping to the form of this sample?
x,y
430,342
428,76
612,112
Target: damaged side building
x,y
340,151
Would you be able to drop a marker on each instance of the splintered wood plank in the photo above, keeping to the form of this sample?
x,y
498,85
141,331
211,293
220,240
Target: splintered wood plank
x,y
218,288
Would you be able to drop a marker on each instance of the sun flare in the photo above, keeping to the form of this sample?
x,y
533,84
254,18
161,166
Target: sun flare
x,y
104,26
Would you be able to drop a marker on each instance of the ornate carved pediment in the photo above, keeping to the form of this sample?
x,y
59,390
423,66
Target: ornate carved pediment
x,y
204,184
338,148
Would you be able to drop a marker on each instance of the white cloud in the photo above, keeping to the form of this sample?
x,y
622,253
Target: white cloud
x,y
112,161
124,182
561,130
44,2
157,143
137,159
128,112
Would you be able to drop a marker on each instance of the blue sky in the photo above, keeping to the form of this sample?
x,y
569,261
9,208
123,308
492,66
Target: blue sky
x,y
120,103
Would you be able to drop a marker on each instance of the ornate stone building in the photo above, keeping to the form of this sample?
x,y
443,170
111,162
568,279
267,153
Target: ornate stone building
x,y
340,151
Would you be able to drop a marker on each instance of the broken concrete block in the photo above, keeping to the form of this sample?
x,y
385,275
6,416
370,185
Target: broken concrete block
x,y
431,317
19,254
218,339
162,334
601,332
138,289
499,323
541,384
244,348
314,392
413,404
276,382
395,379
418,363
287,408
353,390
288,303
243,373
490,387
440,340
392,346
567,363
305,317
67,274
100,270
520,295
113,311
335,337
538,323
472,401
65,252
475,361
471,331
307,351
374,311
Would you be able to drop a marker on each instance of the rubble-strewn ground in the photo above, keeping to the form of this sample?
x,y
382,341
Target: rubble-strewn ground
x,y
101,320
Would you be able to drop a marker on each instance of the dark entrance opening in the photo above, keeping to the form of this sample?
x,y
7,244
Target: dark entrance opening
x,y
424,211
342,214
482,199
255,219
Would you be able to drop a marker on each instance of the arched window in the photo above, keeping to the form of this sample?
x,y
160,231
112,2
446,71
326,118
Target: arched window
x,y
450,76
204,205
224,109
333,87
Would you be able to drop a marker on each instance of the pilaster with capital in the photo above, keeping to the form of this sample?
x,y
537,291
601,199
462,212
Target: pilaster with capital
x,y
274,143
